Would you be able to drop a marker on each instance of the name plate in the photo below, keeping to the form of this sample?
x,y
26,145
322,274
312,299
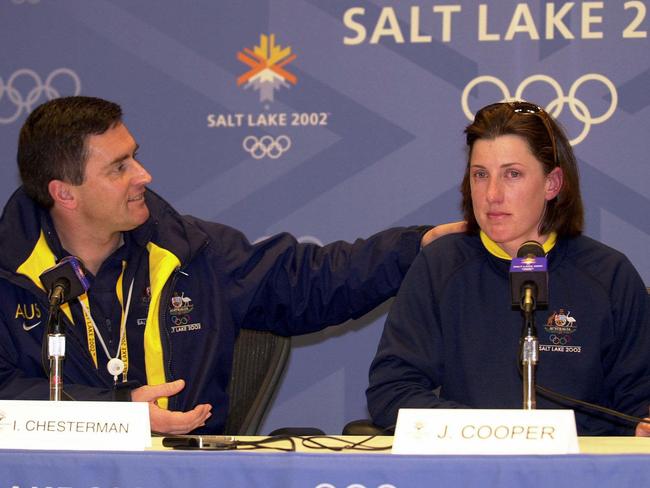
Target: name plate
x,y
456,431
96,426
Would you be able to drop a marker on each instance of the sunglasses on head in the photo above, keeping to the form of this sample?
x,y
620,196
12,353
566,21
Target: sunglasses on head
x,y
527,108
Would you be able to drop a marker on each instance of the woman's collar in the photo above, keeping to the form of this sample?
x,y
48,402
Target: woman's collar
x,y
494,249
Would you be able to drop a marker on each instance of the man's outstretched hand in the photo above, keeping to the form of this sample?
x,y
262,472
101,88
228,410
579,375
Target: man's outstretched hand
x,y
166,421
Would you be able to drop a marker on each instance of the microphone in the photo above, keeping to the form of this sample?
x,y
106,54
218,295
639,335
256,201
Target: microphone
x,y
529,277
65,280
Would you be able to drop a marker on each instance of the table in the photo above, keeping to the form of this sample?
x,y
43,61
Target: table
x,y
603,462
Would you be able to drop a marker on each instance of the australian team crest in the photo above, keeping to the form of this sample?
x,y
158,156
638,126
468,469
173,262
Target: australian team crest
x,y
560,326
146,296
561,323
181,304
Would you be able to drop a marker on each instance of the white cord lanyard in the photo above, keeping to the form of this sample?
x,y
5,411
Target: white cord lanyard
x,y
115,365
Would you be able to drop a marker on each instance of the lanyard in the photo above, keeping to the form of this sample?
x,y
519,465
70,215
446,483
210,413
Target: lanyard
x,y
120,363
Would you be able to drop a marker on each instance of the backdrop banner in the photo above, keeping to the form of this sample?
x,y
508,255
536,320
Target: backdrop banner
x,y
333,119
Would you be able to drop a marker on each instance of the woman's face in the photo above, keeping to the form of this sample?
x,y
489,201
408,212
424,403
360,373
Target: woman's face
x,y
510,190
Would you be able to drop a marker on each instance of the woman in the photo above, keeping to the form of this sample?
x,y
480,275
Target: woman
x,y
451,339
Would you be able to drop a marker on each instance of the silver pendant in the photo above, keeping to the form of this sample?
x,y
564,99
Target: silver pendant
x,y
115,366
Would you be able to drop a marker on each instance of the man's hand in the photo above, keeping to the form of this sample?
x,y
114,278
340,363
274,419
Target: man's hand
x,y
643,430
441,230
167,422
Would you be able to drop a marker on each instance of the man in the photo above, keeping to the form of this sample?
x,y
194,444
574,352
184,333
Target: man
x,y
153,272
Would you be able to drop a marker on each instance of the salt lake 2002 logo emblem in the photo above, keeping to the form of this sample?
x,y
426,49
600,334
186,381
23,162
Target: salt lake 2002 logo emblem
x,y
267,64
268,72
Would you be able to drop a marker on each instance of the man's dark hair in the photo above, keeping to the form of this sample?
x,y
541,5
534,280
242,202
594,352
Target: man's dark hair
x,y
52,142
547,141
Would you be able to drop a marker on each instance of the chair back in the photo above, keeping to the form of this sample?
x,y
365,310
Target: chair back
x,y
258,365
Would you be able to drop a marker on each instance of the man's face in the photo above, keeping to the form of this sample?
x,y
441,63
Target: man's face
x,y
111,197
510,190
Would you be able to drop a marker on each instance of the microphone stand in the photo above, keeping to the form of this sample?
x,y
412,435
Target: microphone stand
x,y
55,352
529,349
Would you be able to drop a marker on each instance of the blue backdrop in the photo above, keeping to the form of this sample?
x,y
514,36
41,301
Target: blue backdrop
x,y
333,119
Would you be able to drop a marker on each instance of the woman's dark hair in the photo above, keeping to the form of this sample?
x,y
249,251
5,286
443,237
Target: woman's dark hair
x,y
548,143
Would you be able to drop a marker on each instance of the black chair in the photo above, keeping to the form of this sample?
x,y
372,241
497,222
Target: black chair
x,y
258,365
365,427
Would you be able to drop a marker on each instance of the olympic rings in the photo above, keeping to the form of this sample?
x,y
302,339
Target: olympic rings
x,y
578,108
266,146
560,339
27,103
180,320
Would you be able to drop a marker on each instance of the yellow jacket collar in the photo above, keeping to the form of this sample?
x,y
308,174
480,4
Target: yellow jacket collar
x,y
494,249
